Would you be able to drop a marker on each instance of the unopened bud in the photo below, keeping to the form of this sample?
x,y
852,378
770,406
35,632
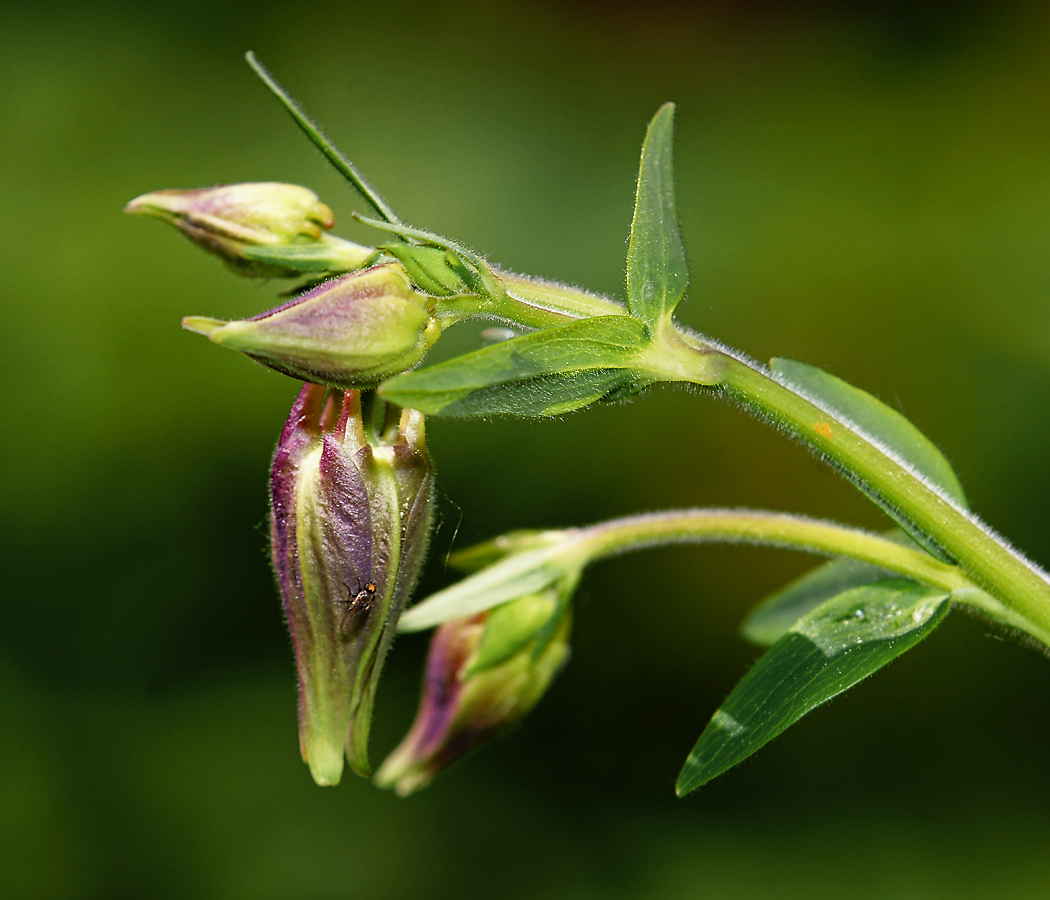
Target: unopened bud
x,y
229,220
483,673
352,331
350,521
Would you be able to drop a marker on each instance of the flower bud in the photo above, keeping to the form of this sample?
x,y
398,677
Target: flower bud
x,y
352,331
350,521
483,673
228,220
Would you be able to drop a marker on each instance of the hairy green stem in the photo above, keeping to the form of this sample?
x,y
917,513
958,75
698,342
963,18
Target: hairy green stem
x,y
677,355
767,529
985,556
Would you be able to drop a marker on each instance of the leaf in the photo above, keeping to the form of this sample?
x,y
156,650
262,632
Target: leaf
x,y
342,165
544,373
768,622
657,273
854,407
838,644
523,573
774,616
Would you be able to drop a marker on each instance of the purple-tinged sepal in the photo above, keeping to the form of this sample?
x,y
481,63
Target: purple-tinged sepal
x,y
350,520
352,331
261,229
483,673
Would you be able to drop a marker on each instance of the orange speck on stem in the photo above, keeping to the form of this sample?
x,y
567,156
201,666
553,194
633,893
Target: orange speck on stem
x,y
822,428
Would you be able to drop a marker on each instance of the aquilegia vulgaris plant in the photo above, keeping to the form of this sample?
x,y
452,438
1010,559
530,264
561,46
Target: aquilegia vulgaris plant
x,y
351,483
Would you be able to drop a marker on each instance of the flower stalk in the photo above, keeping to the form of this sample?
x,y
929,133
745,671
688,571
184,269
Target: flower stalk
x,y
533,562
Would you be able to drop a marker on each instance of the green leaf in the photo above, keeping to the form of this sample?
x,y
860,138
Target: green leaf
x,y
838,644
544,373
854,407
523,573
768,622
771,619
657,273
342,165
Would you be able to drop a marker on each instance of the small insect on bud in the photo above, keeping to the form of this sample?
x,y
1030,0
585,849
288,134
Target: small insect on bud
x,y
350,521
229,220
483,673
352,331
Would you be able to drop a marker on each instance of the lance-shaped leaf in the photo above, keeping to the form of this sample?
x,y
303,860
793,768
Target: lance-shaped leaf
x,y
838,644
859,410
545,373
768,622
657,273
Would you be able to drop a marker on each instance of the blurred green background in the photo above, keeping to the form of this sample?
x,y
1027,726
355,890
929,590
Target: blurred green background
x,y
862,186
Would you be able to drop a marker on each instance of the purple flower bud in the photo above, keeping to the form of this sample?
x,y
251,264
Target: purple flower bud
x,y
482,674
352,331
228,219
350,520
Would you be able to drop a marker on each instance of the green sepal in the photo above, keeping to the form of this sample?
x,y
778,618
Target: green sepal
x,y
887,427
566,587
429,267
771,619
657,273
478,556
471,267
839,643
316,256
511,627
527,572
544,373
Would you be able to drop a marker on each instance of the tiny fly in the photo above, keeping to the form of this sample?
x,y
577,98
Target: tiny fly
x,y
356,605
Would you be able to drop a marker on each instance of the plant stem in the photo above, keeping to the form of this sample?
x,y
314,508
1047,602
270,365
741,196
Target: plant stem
x,y
983,555
678,355
528,302
768,529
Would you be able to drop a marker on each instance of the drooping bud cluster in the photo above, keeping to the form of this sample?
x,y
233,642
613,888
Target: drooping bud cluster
x,y
351,506
350,520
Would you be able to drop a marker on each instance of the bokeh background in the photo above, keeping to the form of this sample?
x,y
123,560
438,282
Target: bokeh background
x,y
863,186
